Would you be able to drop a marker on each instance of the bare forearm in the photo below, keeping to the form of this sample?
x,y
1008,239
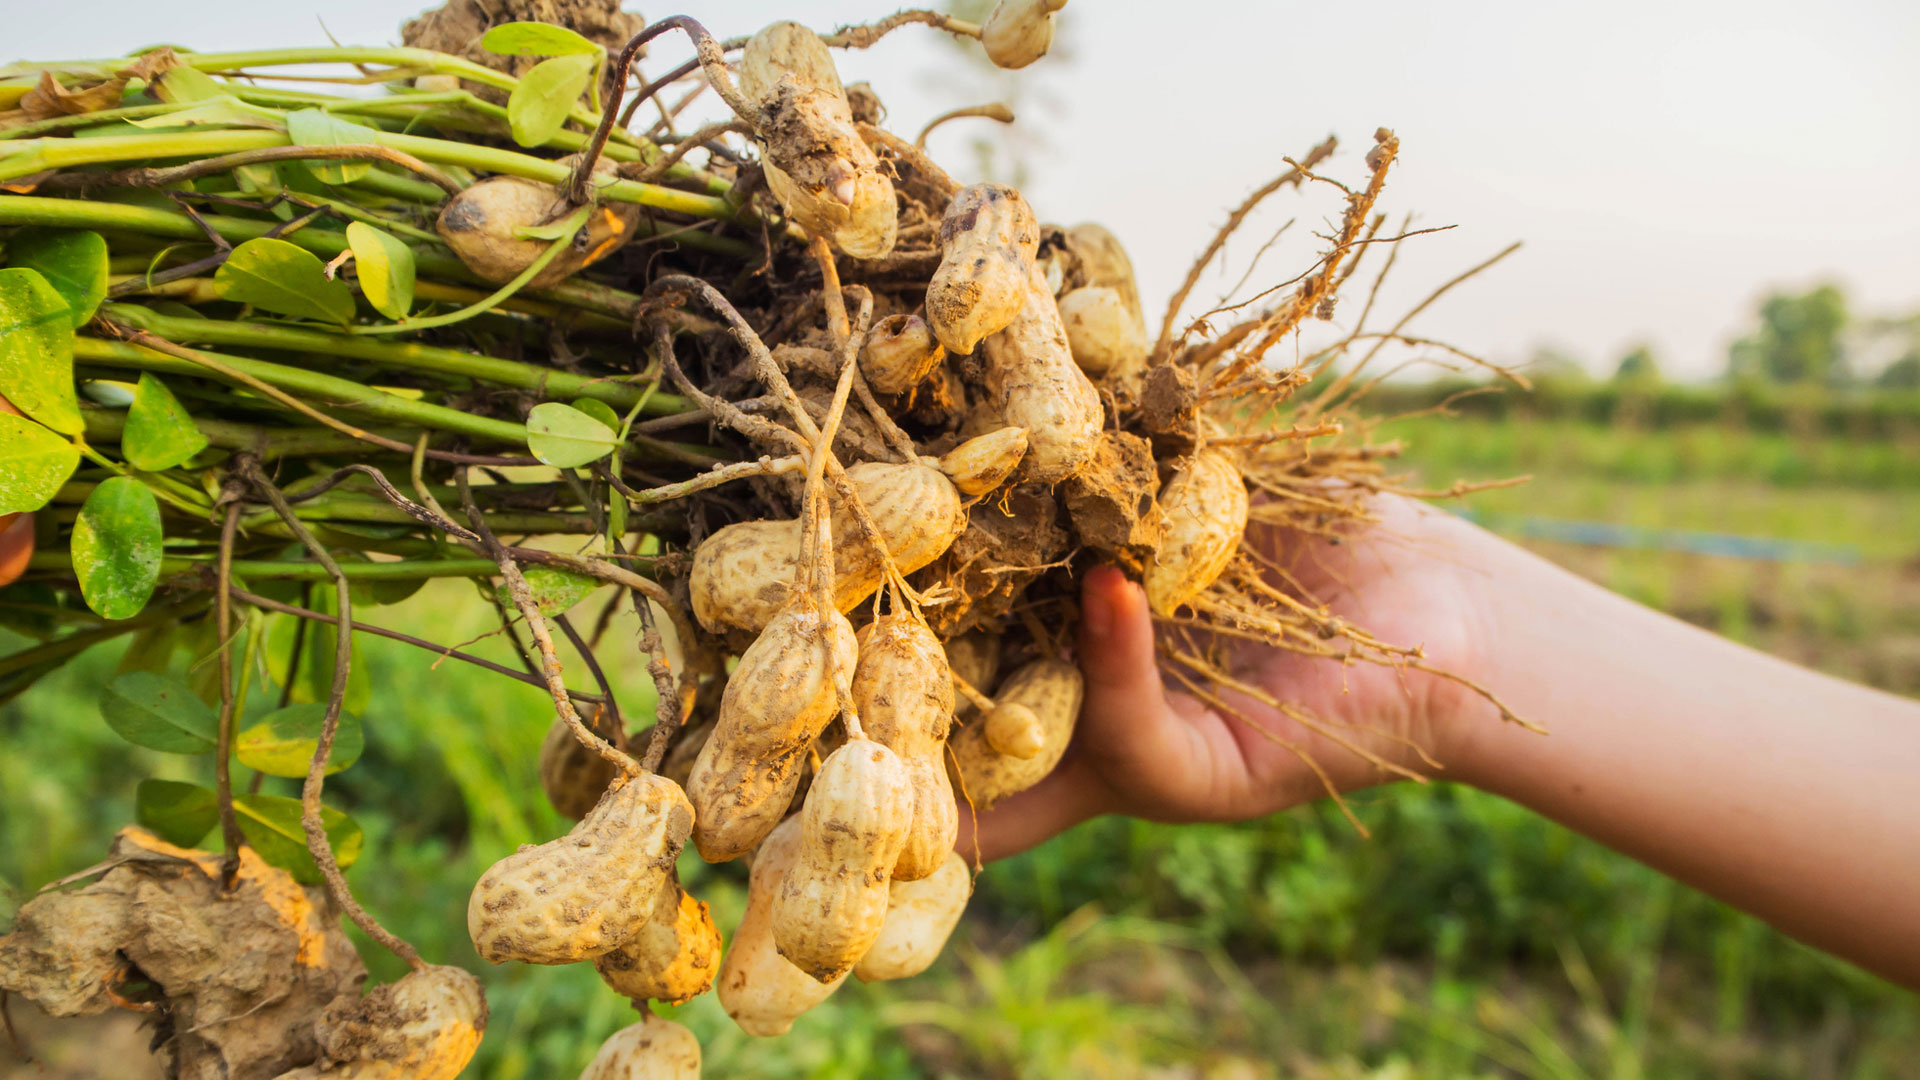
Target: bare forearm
x,y
1786,793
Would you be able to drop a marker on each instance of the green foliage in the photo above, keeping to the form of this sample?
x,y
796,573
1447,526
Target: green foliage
x,y
538,107
34,462
1902,374
535,39
1798,340
283,742
73,261
564,437
36,350
271,824
1638,368
285,279
385,269
151,710
312,127
177,812
159,433
116,547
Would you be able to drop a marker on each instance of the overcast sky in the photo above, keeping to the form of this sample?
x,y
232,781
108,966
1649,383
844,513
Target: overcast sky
x,y
1666,161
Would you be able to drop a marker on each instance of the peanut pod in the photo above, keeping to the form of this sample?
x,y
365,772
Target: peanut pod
x,y
823,174
975,657
1018,32
1206,511
776,703
984,462
1012,729
590,891
758,987
921,916
675,955
1101,332
573,776
424,1026
903,691
833,901
899,352
1101,263
1032,382
482,223
988,238
1051,690
741,573
654,1049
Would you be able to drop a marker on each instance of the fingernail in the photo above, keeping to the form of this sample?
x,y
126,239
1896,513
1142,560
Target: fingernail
x,y
1096,609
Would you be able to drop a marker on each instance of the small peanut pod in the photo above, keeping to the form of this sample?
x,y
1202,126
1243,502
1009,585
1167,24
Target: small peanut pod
x,y
654,1049
1101,263
899,352
673,958
832,903
481,223
573,776
758,987
742,573
975,657
988,238
1101,332
1051,690
776,703
921,916
1012,729
1019,31
590,891
424,1026
984,462
1033,383
823,174
1206,512
903,690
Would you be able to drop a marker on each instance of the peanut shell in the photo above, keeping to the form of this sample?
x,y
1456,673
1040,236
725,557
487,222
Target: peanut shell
x,y
1206,511
903,691
759,988
654,1049
921,916
1052,690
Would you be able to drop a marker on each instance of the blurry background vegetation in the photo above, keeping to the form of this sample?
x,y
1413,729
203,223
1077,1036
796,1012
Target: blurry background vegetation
x,y
1467,938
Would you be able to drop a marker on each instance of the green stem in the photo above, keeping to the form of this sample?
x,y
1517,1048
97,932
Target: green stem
x,y
106,425
410,570
152,482
404,356
324,389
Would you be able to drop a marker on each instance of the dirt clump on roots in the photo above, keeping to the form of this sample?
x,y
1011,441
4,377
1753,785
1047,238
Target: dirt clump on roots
x,y
1111,502
457,26
231,979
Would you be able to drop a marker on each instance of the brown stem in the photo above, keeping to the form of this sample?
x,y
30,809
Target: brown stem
x,y
223,744
599,677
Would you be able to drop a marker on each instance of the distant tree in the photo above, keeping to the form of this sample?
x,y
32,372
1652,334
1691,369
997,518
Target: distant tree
x,y
1638,367
1902,374
1798,340
1553,363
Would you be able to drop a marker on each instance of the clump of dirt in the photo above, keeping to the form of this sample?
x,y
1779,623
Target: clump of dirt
x,y
1008,542
1111,501
232,979
457,26
1167,401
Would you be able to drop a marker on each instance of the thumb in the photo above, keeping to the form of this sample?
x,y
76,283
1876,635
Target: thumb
x,y
1116,653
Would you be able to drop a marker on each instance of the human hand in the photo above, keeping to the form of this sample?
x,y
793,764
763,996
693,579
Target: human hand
x,y
1416,577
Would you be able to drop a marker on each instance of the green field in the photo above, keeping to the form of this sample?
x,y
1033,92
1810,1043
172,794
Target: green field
x,y
1467,938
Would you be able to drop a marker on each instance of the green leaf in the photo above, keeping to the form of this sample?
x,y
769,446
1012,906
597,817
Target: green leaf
x,y
116,547
178,813
150,650
385,268
73,261
564,437
311,127
600,411
313,679
552,231
285,279
535,39
271,823
148,709
34,462
283,742
224,110
36,350
555,591
159,433
182,84
538,107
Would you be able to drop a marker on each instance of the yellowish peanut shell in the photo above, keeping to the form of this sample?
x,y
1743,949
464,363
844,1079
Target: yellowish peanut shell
x,y
1012,729
988,238
1033,383
1018,32
903,691
654,1049
833,901
975,657
423,1026
1052,690
573,776
1206,511
1101,332
899,352
984,462
758,987
1102,263
590,891
921,916
776,702
673,958
479,225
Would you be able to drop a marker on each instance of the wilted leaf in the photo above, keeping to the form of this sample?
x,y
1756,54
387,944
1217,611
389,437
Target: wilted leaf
x,y
385,269
271,823
282,742
116,547
564,437
73,261
285,279
159,433
148,709
176,85
554,590
178,813
34,462
538,107
311,127
36,349
535,39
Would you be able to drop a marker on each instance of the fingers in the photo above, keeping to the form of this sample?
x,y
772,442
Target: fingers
x,y
1068,796
1116,650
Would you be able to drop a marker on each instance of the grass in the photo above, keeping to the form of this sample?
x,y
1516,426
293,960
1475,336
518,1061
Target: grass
x,y
1469,938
